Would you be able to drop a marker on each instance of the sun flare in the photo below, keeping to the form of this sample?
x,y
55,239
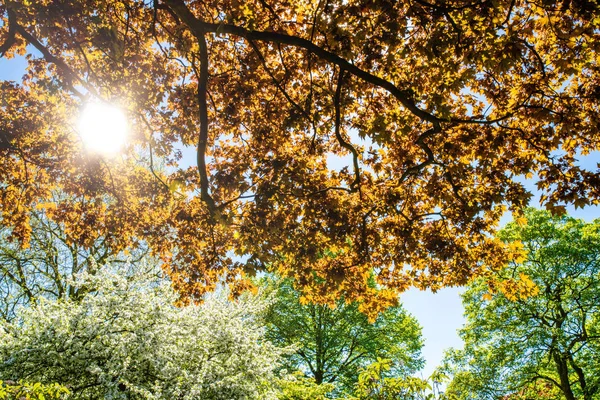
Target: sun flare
x,y
103,128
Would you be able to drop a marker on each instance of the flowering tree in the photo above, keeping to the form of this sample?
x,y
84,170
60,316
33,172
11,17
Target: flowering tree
x,y
125,339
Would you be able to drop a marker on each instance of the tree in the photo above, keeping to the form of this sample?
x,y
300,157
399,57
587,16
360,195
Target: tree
x,y
50,263
520,345
334,343
436,107
126,340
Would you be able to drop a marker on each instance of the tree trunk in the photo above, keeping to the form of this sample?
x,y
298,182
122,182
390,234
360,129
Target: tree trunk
x,y
319,346
563,372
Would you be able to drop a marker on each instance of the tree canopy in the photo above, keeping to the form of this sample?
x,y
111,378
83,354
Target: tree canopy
x,y
436,108
333,344
547,345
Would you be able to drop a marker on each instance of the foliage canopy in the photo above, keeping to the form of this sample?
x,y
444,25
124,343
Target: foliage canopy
x,y
434,107
548,344
31,391
375,383
334,343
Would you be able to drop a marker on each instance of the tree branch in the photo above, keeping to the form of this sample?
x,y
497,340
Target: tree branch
x,y
203,116
279,86
12,29
430,157
199,27
68,73
338,120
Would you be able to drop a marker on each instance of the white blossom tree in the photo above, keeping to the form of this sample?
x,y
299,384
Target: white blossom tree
x,y
125,340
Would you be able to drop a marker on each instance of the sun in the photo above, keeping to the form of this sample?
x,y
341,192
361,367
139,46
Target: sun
x,y
103,128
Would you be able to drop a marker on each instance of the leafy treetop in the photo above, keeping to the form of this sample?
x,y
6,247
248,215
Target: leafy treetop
x,y
436,108
334,343
548,343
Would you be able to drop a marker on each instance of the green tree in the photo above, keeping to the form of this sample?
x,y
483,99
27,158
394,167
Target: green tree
x,y
514,346
335,342
31,391
299,387
49,264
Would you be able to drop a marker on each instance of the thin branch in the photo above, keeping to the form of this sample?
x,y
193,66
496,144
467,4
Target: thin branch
x,y
271,10
537,56
430,157
152,155
508,15
280,86
546,378
68,73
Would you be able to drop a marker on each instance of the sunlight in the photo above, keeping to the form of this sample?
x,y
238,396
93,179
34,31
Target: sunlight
x,y
103,128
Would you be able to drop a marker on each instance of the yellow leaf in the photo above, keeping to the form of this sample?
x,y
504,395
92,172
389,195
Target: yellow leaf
x,y
521,221
45,206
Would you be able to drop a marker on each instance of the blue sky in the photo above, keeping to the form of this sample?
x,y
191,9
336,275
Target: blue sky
x,y
12,69
440,314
